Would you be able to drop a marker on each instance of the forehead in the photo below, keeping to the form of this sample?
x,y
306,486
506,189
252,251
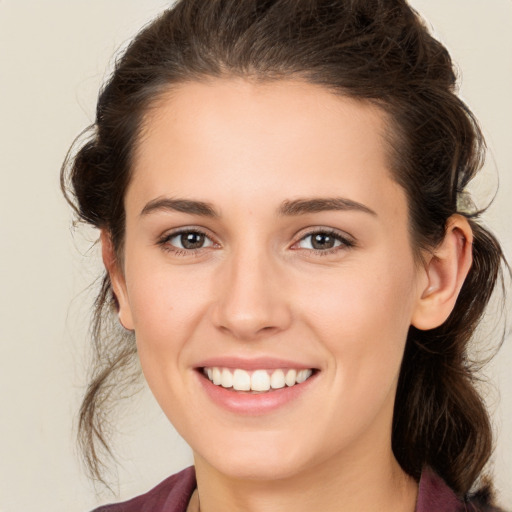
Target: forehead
x,y
205,138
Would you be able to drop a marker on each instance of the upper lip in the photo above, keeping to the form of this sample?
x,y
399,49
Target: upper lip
x,y
255,363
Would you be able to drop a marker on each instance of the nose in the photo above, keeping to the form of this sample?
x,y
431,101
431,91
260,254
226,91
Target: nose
x,y
252,301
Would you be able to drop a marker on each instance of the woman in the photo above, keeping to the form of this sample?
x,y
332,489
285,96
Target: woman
x,y
280,188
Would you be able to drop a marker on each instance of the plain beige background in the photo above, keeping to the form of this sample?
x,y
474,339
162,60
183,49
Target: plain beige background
x,y
53,57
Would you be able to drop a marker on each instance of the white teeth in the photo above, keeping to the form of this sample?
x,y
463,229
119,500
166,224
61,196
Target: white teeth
x,y
227,379
241,380
302,375
258,380
291,377
217,376
277,380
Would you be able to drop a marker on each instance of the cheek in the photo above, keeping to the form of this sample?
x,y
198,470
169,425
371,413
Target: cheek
x,y
363,321
165,307
363,297
169,305
165,300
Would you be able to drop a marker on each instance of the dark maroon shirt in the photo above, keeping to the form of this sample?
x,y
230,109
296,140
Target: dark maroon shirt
x,y
173,495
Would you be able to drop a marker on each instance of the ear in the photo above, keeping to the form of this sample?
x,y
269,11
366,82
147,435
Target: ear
x,y
446,271
117,279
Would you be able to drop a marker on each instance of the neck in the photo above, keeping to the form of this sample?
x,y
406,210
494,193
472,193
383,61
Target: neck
x,y
375,482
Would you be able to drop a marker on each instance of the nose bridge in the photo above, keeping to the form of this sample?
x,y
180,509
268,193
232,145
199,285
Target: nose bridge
x,y
250,299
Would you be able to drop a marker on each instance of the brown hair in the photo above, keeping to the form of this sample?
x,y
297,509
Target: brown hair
x,y
373,50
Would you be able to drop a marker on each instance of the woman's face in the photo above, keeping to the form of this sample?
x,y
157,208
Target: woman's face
x,y
265,236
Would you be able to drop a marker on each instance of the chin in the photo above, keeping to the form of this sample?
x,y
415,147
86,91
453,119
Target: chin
x,y
261,470
259,459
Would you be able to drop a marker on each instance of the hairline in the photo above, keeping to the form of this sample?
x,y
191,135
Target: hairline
x,y
393,138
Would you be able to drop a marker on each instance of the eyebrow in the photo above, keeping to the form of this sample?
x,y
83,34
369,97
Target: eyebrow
x,y
287,208
320,204
180,205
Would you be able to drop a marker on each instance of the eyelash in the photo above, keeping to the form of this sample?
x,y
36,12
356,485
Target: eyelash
x,y
345,242
166,246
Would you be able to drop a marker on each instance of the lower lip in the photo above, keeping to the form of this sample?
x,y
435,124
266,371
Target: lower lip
x,y
254,404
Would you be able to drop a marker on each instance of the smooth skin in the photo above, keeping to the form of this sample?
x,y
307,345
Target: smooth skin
x,y
256,284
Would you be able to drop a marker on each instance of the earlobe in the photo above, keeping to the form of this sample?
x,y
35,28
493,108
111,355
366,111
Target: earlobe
x,y
116,279
446,271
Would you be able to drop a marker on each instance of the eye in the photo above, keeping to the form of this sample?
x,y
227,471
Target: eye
x,y
186,240
324,241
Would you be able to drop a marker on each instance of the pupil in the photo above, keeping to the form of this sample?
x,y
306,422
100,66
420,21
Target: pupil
x,y
323,241
192,240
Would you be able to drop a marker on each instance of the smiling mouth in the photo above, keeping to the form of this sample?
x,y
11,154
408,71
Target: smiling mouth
x,y
256,381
